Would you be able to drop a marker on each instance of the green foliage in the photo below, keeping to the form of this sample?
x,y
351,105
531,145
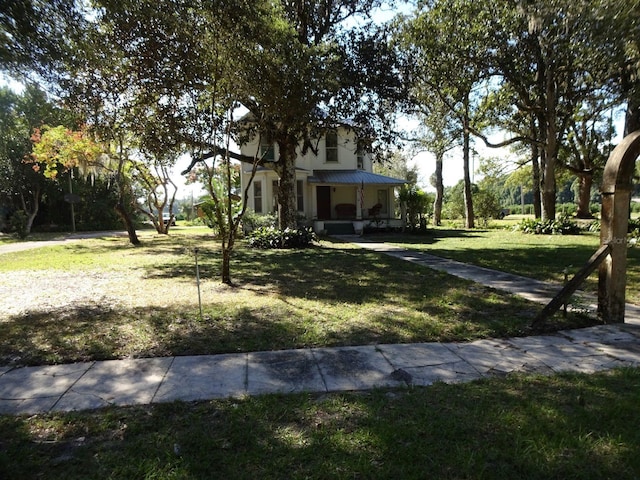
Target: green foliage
x,y
454,201
19,223
60,149
419,205
252,220
633,237
563,225
270,237
486,205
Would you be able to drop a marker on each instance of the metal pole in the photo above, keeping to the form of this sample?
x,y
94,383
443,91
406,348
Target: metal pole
x,y
73,212
198,282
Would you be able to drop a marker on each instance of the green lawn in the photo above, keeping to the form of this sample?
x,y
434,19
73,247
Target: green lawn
x,y
560,427
544,257
120,301
145,302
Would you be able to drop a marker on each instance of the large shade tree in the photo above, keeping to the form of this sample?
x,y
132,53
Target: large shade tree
x,y
22,184
170,74
558,58
445,46
311,73
35,34
551,59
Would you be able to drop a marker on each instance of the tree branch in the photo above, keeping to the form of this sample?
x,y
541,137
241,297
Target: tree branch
x,y
217,150
505,143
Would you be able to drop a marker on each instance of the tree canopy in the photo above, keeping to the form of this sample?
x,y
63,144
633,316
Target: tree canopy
x,y
160,79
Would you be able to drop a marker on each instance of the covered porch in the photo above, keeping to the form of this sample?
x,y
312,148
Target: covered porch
x,y
346,201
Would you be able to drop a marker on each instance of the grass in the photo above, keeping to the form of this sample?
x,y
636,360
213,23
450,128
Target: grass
x,y
544,257
114,300
145,301
565,426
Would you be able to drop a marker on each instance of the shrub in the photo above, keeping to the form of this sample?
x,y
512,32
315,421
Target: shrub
x,y
567,208
18,222
271,237
634,224
563,225
594,226
252,221
486,205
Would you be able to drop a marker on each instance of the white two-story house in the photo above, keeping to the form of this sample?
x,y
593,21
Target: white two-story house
x,y
336,186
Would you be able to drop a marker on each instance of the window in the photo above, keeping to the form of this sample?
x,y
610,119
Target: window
x,y
331,147
300,195
267,151
257,196
274,187
360,159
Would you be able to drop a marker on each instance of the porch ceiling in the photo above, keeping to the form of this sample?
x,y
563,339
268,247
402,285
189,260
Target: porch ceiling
x,y
352,177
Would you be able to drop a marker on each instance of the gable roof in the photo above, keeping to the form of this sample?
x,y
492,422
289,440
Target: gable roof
x,y
352,177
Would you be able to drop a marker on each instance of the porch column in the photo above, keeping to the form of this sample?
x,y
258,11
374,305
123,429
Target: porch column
x,y
314,202
359,201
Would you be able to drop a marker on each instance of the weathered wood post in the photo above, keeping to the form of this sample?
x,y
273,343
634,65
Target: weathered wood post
x,y
616,197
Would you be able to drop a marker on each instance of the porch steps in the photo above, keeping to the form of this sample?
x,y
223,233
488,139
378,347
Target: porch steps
x,y
339,228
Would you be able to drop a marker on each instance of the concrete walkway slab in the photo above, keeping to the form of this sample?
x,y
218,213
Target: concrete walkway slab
x,y
412,355
116,382
287,371
492,357
452,372
204,377
604,334
355,368
33,389
627,352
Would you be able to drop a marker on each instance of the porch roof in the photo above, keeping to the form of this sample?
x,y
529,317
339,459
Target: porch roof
x,y
352,177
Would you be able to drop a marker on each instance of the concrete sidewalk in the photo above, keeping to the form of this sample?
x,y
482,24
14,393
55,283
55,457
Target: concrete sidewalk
x,y
91,385
528,288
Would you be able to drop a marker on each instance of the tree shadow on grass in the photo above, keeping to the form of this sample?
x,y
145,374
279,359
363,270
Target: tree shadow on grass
x,y
90,332
423,238
520,427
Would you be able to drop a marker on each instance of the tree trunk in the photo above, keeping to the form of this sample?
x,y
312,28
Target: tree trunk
x,y
584,195
632,115
31,215
437,203
126,218
468,200
535,167
226,265
550,150
286,170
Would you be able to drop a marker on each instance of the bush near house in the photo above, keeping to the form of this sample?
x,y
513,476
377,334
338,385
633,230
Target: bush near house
x,y
271,237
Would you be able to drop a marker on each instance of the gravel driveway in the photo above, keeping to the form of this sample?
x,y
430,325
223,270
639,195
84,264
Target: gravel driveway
x,y
45,290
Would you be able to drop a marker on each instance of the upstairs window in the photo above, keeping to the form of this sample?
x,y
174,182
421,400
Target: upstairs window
x,y
360,160
267,151
331,147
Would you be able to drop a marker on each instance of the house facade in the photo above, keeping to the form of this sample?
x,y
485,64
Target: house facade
x,y
336,189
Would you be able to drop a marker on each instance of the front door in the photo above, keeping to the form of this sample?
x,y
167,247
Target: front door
x,y
323,195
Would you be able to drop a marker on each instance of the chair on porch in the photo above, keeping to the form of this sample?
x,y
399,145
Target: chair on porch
x,y
374,211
